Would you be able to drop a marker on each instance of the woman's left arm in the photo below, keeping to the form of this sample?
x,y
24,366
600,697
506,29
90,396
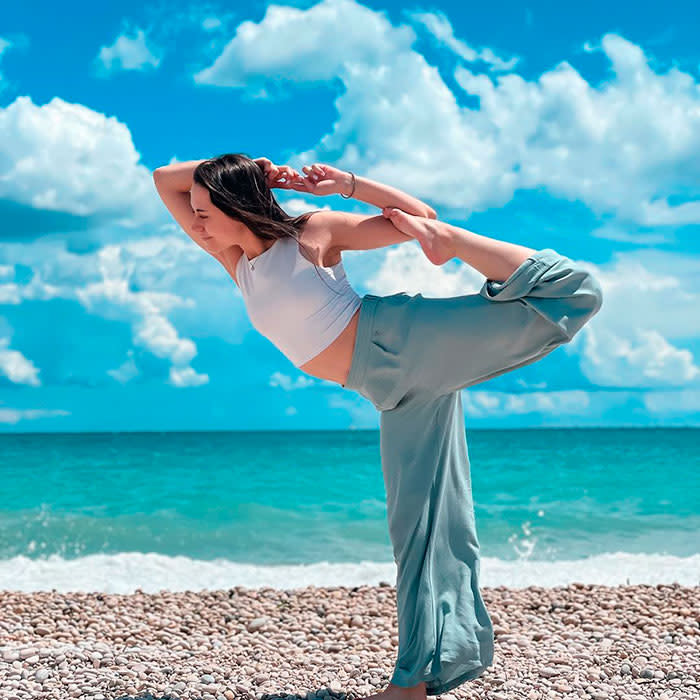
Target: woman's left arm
x,y
383,196
323,179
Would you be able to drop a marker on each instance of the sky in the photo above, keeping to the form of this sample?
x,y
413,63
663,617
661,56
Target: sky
x,y
572,128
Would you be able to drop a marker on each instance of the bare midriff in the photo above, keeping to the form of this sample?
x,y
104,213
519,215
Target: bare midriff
x,y
333,363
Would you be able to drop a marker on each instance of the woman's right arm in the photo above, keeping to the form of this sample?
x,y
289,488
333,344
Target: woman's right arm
x,y
178,176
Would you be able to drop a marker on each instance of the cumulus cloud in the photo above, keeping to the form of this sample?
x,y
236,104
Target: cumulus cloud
x,y
651,298
405,268
628,147
17,368
107,283
440,28
127,53
311,45
65,167
285,382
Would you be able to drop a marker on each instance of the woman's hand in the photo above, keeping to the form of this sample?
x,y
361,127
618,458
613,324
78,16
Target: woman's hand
x,y
280,176
322,180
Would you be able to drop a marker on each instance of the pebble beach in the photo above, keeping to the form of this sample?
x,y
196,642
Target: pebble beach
x,y
574,641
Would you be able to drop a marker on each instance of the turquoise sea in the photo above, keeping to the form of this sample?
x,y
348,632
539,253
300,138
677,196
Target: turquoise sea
x,y
114,512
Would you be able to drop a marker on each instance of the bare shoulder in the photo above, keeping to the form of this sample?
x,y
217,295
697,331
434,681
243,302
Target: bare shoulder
x,y
342,230
317,235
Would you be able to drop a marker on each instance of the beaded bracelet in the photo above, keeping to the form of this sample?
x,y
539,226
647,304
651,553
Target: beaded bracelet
x,y
353,187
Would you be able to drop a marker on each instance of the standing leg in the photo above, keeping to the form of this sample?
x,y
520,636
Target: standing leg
x,y
445,634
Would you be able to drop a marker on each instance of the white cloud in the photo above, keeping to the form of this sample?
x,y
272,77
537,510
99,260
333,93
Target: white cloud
x,y
9,293
16,367
644,359
210,24
127,53
103,283
68,158
126,371
650,300
285,382
482,404
186,376
624,147
405,268
667,402
628,147
304,45
15,415
363,415
440,27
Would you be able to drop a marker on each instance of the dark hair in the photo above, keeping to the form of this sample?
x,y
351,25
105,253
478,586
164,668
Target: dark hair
x,y
237,187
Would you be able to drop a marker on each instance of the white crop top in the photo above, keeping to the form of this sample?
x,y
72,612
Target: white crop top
x,y
301,309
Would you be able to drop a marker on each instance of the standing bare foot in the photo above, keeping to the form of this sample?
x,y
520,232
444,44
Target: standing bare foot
x,y
395,692
433,236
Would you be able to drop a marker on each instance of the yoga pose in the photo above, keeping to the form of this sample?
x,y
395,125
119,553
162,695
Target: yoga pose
x,y
409,355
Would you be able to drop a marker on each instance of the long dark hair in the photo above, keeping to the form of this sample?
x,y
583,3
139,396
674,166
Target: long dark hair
x,y
237,186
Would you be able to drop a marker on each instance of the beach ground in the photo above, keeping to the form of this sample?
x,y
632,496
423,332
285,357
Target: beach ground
x,y
578,641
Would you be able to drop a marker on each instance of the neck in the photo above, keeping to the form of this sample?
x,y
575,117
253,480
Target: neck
x,y
256,247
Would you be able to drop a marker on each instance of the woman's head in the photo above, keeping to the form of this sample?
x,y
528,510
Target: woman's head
x,y
236,202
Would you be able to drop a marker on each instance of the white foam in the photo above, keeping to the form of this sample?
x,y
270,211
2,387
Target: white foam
x,y
124,573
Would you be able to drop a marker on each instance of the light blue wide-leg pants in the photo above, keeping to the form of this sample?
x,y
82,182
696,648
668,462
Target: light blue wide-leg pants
x,y
412,356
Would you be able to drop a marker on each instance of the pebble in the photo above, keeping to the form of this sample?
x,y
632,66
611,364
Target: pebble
x,y
575,642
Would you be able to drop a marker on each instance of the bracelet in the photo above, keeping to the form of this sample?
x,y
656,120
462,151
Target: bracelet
x,y
353,187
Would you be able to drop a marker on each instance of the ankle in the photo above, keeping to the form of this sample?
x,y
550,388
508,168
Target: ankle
x,y
414,691
448,235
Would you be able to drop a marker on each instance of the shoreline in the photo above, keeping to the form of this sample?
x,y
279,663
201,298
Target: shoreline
x,y
578,640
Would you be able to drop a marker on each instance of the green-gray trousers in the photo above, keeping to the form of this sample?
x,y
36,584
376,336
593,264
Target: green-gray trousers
x,y
412,356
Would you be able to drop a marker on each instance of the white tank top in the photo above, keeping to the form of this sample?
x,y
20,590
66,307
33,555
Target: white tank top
x,y
301,309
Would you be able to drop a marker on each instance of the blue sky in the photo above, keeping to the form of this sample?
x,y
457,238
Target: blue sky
x,y
576,129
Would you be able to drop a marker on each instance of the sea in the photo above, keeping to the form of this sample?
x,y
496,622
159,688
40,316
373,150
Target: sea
x,y
177,511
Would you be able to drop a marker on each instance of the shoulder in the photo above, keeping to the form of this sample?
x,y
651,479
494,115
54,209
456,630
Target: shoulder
x,y
342,230
317,234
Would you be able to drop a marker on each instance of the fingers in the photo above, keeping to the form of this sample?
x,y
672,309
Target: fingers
x,y
314,172
281,176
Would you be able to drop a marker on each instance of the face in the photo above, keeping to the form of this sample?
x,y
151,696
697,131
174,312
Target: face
x,y
215,230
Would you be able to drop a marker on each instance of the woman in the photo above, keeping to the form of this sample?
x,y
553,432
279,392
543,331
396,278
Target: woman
x,y
407,354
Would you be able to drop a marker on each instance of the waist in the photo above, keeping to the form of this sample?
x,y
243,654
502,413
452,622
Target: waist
x,y
333,362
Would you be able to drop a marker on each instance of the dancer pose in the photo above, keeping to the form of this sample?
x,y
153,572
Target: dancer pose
x,y
407,354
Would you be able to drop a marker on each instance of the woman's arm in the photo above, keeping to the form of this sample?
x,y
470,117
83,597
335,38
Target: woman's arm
x,y
382,196
323,179
178,176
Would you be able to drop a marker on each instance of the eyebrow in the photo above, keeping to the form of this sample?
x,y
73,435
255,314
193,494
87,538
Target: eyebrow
x,y
190,192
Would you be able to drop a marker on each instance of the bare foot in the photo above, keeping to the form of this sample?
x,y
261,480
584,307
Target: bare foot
x,y
433,236
395,692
